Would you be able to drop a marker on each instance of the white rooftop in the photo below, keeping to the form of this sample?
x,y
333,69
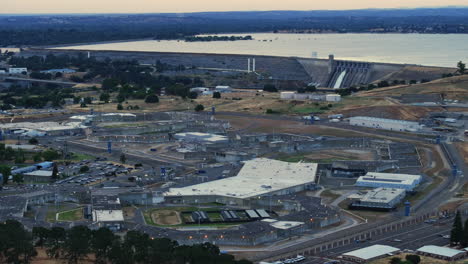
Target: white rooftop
x,y
408,179
197,136
371,252
386,120
40,173
108,215
257,177
441,251
42,126
382,195
285,225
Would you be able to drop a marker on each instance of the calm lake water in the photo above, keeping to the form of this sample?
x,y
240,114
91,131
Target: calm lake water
x,y
424,49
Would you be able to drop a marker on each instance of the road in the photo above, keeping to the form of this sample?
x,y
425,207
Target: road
x,y
40,81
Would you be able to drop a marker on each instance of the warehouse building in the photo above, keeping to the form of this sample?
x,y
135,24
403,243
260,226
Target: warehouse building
x,y
384,123
258,178
389,180
367,254
380,198
443,253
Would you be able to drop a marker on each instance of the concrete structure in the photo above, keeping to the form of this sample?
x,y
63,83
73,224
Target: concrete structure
x,y
54,71
35,167
444,253
17,70
380,198
384,123
34,129
201,137
333,98
367,254
257,178
389,180
38,176
223,89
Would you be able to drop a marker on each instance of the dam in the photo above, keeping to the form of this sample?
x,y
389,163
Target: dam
x,y
329,73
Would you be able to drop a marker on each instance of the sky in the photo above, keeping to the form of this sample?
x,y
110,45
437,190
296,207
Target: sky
x,y
185,6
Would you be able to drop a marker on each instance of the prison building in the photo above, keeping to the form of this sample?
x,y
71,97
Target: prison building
x,y
252,214
380,198
389,180
384,123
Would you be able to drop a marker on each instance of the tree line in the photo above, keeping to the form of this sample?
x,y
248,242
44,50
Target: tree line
x,y
18,245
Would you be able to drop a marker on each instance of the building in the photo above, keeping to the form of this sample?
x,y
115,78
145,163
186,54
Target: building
x,y
17,70
28,169
55,71
257,178
38,176
367,254
383,123
35,129
199,89
107,212
380,198
310,96
389,180
201,137
223,89
333,98
444,253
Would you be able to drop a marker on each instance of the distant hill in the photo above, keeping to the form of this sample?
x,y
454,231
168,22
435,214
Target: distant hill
x,y
74,28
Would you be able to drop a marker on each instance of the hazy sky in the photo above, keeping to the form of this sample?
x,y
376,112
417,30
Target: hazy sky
x,y
156,6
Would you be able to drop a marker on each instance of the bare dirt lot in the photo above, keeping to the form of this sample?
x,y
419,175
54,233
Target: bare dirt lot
x,y
166,217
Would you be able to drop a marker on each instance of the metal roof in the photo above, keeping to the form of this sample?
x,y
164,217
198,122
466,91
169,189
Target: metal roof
x,y
441,251
372,252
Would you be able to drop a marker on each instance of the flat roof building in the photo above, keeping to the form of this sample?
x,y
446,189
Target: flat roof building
x,y
380,198
257,178
367,254
201,137
389,180
444,253
384,123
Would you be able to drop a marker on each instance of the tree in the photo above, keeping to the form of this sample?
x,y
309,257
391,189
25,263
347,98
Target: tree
x,y
16,243
199,108
414,259
270,88
217,95
84,169
123,158
395,260
18,178
40,234
119,107
105,97
465,235
50,155
456,235
461,67
33,141
6,172
152,99
101,244
55,172
77,243
192,95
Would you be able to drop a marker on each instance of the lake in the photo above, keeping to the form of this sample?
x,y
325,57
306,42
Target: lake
x,y
425,49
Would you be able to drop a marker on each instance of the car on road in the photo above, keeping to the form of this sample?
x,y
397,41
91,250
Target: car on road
x,y
397,240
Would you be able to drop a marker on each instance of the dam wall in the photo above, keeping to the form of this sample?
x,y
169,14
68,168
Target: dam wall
x,y
320,72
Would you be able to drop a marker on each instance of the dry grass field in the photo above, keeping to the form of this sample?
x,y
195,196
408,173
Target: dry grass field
x,y
166,217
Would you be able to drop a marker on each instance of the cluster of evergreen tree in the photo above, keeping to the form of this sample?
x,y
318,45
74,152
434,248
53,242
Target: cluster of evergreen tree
x,y
459,233
17,245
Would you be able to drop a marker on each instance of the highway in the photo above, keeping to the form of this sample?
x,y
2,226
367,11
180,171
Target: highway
x,y
39,81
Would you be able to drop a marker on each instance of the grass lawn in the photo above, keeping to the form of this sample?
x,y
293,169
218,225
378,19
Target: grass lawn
x,y
52,211
81,156
72,215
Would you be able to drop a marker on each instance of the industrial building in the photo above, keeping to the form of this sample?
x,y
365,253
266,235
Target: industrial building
x,y
310,96
367,254
384,123
35,129
55,71
380,198
257,178
17,70
201,137
389,180
444,253
223,89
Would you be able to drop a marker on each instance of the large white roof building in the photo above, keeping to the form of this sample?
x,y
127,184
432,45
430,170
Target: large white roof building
x,y
369,253
258,177
389,180
441,252
384,123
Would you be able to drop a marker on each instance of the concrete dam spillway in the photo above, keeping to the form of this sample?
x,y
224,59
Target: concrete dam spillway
x,y
328,73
